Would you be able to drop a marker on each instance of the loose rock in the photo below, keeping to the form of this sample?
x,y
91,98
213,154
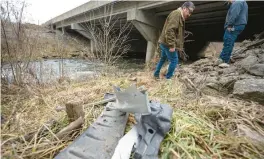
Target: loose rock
x,y
248,62
252,89
257,70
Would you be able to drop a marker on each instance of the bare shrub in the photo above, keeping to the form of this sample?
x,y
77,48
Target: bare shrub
x,y
18,44
110,35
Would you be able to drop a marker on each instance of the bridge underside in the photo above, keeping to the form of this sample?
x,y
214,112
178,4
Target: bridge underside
x,y
206,23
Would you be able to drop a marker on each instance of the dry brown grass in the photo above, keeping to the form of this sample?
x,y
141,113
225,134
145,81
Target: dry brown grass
x,y
202,126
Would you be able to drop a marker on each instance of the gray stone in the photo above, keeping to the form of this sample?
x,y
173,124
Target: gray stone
x,y
257,69
261,58
200,62
249,52
246,42
248,62
246,76
213,73
244,130
258,51
252,89
228,82
197,79
239,56
262,46
213,85
207,68
241,53
231,69
224,84
211,80
220,72
231,74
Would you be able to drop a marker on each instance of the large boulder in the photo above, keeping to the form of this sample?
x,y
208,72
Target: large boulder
x,y
223,84
252,89
257,70
249,61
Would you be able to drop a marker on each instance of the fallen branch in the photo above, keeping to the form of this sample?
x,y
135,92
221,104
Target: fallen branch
x,y
72,126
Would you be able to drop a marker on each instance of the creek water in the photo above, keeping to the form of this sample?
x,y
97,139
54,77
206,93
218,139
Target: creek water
x,y
45,71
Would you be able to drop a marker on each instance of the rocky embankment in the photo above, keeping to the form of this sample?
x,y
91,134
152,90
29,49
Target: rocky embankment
x,y
243,78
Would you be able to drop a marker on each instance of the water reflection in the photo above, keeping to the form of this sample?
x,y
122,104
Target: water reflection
x,y
50,70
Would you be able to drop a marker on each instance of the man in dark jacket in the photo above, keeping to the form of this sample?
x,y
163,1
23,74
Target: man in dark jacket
x,y
172,38
236,20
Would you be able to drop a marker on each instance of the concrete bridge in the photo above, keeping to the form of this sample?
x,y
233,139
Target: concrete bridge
x,y
148,18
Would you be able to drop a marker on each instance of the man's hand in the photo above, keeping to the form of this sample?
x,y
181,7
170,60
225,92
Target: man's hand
x,y
172,50
229,29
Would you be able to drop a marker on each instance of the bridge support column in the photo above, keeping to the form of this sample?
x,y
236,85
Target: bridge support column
x,y
85,33
63,30
148,26
150,51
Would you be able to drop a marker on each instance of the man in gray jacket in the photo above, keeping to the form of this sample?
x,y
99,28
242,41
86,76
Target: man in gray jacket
x,y
236,20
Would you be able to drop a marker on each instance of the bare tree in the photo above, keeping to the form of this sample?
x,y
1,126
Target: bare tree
x,y
18,45
110,34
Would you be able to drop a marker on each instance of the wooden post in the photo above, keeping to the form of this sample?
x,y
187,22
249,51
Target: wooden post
x,y
74,110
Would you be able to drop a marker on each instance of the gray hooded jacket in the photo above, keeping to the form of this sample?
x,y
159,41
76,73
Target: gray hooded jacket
x,y
237,14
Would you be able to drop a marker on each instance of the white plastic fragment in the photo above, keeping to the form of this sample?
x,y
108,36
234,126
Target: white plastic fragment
x,y
125,145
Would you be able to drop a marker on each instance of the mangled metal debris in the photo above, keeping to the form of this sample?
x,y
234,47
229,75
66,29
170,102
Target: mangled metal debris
x,y
103,139
150,131
130,100
153,122
100,139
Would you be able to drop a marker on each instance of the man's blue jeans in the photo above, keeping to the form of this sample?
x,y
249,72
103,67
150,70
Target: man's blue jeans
x,y
229,41
171,56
